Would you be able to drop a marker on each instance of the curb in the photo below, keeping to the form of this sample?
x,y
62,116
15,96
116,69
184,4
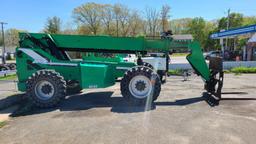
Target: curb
x,y
10,100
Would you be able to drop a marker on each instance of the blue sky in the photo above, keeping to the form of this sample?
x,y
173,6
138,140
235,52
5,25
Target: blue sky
x,y
31,15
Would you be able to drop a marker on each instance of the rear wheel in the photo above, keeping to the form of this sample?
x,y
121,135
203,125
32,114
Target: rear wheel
x,y
140,85
46,88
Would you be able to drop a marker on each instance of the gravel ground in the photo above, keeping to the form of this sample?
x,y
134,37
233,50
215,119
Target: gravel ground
x,y
181,115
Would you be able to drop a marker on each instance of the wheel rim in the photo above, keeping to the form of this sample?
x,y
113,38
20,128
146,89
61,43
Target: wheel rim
x,y
44,90
140,86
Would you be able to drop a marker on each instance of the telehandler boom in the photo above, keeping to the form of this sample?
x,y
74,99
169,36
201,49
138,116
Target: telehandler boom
x,y
47,74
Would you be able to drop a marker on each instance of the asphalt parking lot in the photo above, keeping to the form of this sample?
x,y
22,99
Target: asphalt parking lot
x,y
181,115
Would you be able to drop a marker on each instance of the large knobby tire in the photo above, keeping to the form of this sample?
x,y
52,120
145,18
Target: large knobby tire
x,y
147,65
160,73
46,88
140,85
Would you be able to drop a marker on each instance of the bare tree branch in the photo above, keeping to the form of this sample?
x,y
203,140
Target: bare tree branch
x,y
152,20
165,15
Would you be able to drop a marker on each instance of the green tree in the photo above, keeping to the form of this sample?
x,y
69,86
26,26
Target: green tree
x,y
197,28
210,44
180,26
235,20
89,14
249,20
12,37
53,25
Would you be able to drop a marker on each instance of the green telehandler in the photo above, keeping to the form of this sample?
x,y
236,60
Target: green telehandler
x,y
47,74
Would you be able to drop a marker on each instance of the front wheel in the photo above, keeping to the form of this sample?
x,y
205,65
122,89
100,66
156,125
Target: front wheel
x,y
147,65
140,85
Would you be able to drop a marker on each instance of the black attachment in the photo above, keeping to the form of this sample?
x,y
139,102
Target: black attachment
x,y
215,84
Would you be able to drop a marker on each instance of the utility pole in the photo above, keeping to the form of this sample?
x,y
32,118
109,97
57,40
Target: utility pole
x,y
3,50
228,23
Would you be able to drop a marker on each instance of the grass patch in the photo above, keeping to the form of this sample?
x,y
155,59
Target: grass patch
x,y
9,77
175,72
243,70
227,71
237,74
179,54
2,123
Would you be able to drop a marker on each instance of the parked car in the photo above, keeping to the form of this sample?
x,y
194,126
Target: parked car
x,y
210,54
8,55
4,67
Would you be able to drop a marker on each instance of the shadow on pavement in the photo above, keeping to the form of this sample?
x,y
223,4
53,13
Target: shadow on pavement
x,y
239,99
181,102
83,102
7,101
239,93
209,99
117,104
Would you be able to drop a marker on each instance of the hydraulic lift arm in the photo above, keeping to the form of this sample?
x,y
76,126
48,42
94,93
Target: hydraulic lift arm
x,y
197,61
